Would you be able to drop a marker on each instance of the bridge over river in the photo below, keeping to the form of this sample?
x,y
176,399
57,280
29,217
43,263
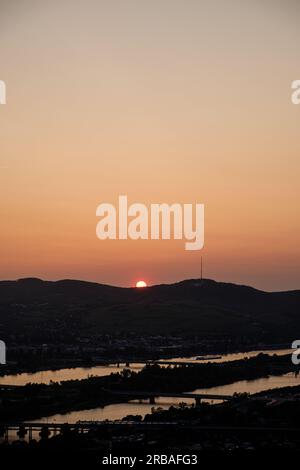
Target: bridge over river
x,y
114,427
152,395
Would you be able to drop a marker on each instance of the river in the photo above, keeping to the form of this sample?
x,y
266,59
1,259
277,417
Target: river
x,y
142,407
78,373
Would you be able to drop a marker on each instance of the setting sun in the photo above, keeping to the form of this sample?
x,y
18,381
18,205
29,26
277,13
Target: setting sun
x,y
141,284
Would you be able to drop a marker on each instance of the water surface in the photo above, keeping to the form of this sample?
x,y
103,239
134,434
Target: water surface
x,y
142,407
79,373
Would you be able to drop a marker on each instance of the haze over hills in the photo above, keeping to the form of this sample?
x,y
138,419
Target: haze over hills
x,y
203,308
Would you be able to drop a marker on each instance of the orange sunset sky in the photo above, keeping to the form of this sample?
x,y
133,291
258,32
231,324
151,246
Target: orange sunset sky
x,y
161,100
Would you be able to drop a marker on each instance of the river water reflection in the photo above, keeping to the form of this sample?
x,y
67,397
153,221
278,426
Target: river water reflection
x,y
79,373
142,407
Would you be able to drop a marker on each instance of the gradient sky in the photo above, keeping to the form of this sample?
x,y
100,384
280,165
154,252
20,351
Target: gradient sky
x,y
165,101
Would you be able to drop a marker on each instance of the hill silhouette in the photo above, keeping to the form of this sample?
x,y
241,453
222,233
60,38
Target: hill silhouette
x,y
205,308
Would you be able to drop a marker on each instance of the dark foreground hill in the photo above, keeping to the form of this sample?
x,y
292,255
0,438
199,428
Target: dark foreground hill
x,y
203,308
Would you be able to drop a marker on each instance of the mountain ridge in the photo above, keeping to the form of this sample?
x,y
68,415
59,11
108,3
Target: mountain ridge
x,y
201,307
200,282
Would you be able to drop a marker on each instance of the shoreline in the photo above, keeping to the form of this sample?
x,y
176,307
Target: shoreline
x,y
110,362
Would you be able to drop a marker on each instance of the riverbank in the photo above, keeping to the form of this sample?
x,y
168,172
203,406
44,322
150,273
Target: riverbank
x,y
138,409
79,373
247,425
41,362
34,401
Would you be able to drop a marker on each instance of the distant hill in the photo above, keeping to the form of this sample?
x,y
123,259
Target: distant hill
x,y
203,308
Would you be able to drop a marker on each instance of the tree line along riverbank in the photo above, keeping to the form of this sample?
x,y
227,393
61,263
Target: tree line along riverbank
x,y
33,401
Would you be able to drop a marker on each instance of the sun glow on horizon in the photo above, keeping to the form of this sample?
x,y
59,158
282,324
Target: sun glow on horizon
x,y
141,284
